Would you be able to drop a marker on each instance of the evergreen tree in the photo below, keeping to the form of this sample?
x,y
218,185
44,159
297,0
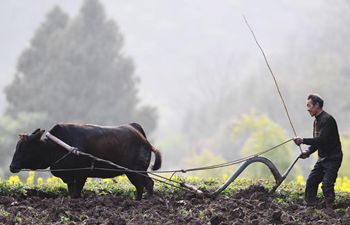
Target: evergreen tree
x,y
75,70
35,65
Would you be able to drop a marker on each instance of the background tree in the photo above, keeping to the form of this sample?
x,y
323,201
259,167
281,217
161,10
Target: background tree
x,y
262,133
75,70
207,158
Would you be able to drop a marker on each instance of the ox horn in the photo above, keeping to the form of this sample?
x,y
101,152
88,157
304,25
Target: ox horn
x,y
36,135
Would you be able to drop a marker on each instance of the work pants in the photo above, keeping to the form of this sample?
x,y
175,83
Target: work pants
x,y
325,171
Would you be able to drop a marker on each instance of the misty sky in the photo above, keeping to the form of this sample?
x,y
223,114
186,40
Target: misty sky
x,y
179,46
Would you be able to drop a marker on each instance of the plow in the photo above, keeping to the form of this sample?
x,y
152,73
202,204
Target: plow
x,y
245,162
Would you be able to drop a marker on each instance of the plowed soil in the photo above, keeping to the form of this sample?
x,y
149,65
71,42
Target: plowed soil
x,y
249,206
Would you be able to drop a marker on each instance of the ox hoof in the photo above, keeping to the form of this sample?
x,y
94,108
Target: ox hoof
x,y
75,195
149,196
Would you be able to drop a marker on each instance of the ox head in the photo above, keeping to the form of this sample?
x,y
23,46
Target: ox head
x,y
27,154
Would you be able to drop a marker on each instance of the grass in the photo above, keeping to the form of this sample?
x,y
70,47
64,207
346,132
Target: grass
x,y
53,186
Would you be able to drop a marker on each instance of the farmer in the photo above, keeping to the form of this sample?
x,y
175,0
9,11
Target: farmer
x,y
326,141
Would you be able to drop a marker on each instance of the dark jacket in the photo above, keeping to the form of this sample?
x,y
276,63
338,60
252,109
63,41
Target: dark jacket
x,y
326,137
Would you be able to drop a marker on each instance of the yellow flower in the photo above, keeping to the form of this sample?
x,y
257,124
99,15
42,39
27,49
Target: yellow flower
x,y
54,181
343,184
40,181
30,178
300,180
14,180
108,181
225,176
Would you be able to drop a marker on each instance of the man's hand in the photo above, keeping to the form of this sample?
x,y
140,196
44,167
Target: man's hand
x,y
298,140
305,154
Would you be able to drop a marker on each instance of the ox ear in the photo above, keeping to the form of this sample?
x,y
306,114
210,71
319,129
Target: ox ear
x,y
36,135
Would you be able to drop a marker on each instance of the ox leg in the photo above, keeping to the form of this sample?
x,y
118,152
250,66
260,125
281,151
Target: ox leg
x,y
149,185
138,182
75,186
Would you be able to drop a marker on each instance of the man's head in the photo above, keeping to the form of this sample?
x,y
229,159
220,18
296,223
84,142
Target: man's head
x,y
314,104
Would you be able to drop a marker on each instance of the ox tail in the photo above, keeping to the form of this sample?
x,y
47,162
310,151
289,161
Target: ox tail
x,y
158,161
137,129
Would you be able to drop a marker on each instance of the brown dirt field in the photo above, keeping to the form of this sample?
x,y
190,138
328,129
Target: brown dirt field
x,y
249,206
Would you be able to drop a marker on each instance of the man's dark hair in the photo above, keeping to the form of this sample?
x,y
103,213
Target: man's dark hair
x,y
315,98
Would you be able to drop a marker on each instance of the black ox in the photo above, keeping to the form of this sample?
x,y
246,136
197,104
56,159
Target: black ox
x,y
124,145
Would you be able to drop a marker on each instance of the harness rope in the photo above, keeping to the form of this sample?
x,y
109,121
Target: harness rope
x,y
75,151
121,168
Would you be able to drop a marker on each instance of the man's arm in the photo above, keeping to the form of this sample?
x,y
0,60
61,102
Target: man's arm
x,y
325,132
312,149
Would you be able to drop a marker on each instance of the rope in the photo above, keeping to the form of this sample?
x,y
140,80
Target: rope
x,y
76,151
238,160
274,79
123,169
182,186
